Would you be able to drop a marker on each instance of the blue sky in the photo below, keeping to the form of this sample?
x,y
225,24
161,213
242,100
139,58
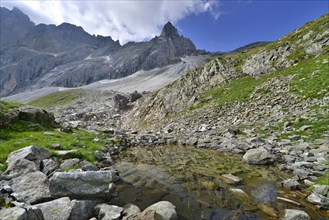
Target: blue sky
x,y
244,22
213,25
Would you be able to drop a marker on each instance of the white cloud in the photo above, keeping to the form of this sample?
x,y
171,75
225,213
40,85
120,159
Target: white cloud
x,y
123,20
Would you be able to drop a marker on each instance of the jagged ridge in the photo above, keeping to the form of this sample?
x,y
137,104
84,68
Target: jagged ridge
x,y
66,55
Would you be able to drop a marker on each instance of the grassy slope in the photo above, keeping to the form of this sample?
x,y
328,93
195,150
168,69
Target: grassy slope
x,y
311,81
24,134
7,105
58,99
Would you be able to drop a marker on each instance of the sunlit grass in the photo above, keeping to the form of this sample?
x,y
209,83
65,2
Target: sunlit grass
x,y
58,99
6,105
23,134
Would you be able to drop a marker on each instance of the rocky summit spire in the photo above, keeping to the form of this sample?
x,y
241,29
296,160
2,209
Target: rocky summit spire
x,y
169,31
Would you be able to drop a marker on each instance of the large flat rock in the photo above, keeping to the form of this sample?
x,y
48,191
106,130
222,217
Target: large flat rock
x,y
87,184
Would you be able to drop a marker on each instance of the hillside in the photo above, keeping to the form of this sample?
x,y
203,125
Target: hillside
x,y
191,90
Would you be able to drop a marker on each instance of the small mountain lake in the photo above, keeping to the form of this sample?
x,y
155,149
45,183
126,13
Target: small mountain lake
x,y
192,180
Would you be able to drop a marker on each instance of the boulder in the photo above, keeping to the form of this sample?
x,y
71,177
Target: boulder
x,y
59,209
291,184
22,171
35,115
130,211
20,167
120,102
69,164
192,141
87,166
258,156
318,199
149,215
321,189
134,96
31,187
164,209
32,153
293,214
83,209
108,212
26,213
48,166
86,184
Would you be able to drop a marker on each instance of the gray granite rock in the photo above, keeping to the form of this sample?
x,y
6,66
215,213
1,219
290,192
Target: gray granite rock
x,y
108,212
48,166
86,184
293,214
69,163
31,187
130,212
32,153
59,209
291,184
83,209
318,199
258,156
20,213
164,209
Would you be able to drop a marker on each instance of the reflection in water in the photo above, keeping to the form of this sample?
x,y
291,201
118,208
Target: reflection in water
x,y
192,180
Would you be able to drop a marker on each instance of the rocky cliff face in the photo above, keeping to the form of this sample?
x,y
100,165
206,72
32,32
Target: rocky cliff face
x,y
308,41
14,26
47,55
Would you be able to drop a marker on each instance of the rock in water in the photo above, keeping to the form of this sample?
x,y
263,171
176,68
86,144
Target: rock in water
x,y
258,156
87,184
130,211
164,209
291,184
108,212
292,214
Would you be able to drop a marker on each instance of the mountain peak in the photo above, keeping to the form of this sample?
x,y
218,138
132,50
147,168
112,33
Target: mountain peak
x,y
169,30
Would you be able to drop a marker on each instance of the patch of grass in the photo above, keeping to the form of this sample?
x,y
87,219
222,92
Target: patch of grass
x,y
3,167
61,98
319,127
311,81
24,134
7,105
323,180
235,91
311,78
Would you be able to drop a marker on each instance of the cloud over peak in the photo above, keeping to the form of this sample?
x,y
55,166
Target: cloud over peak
x,y
125,20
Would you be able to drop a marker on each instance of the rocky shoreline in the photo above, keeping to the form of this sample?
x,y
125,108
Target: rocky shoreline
x,y
38,189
